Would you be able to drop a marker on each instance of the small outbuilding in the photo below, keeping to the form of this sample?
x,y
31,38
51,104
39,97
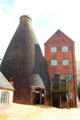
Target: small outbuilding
x,y
37,90
6,91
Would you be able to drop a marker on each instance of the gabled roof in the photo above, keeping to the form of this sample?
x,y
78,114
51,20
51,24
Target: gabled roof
x,y
4,84
36,81
58,32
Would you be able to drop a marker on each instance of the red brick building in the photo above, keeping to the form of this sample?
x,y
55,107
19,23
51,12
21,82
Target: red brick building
x,y
60,59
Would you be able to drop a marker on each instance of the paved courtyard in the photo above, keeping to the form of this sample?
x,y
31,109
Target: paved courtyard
x,y
39,112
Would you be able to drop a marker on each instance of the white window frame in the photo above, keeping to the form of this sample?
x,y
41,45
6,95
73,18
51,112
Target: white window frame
x,y
65,48
65,62
54,62
4,98
53,49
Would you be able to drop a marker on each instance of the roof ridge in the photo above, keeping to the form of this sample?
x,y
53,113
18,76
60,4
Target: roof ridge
x,y
56,33
4,83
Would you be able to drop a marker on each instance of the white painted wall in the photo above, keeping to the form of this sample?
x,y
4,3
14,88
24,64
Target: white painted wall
x,y
10,94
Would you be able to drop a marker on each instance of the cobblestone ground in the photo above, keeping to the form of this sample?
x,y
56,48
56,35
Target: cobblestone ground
x,y
39,112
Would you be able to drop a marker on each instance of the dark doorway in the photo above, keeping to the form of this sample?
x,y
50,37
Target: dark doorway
x,y
37,96
63,98
56,99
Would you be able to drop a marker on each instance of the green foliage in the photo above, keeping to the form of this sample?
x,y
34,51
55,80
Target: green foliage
x,y
79,91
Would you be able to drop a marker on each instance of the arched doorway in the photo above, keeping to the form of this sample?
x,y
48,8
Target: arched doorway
x,y
37,95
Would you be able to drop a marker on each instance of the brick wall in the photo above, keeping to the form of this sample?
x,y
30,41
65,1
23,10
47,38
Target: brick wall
x,y
58,40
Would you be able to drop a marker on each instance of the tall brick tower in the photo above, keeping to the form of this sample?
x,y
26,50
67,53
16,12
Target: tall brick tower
x,y
18,61
60,59
24,66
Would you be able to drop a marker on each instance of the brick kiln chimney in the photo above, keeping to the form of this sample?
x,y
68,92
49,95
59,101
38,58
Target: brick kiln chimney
x,y
23,59
18,61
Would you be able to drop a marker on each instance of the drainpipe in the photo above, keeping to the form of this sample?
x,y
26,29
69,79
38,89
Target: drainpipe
x,y
51,92
74,76
51,84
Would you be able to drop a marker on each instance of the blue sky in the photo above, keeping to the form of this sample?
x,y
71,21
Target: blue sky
x,y
7,2
6,6
47,17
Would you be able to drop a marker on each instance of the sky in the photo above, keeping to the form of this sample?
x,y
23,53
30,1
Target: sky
x,y
47,17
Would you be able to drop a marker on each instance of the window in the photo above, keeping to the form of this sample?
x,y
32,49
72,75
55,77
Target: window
x,y
54,62
65,62
68,77
4,98
53,49
65,49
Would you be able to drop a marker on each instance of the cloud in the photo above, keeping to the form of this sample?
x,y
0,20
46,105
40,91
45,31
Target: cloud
x,y
7,28
47,17
37,7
